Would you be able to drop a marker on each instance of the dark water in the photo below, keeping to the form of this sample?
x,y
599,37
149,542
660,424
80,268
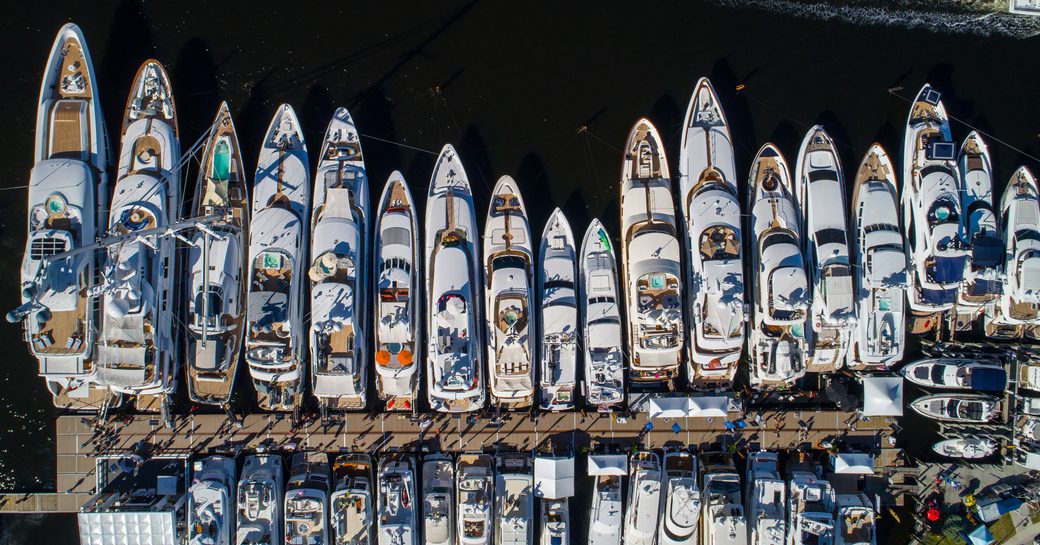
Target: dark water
x,y
509,84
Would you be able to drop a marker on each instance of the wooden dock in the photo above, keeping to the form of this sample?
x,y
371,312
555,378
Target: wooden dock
x,y
79,446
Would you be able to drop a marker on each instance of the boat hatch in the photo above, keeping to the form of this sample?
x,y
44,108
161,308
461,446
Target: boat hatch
x,y
946,270
931,96
941,151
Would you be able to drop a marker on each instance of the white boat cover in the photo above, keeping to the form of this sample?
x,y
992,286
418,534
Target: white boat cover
x,y
883,396
853,463
693,407
128,528
554,477
608,464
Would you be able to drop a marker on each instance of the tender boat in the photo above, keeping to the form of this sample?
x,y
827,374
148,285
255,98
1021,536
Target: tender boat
x,y
715,262
1017,311
556,522
820,190
982,283
275,332
558,315
857,521
605,512
681,500
931,211
261,491
722,520
307,500
339,270
67,209
811,506
211,515
398,297
650,267
878,338
967,408
397,509
455,381
508,289
957,374
603,385
777,340
352,513
968,448
438,501
140,323
514,500
475,492
766,498
644,498
216,261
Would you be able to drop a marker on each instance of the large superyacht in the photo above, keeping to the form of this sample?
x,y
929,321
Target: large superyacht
x,y
352,504
275,332
650,261
857,520
810,509
514,499
710,207
644,498
261,491
766,497
1017,312
722,520
604,381
211,508
606,510
982,283
680,500
307,500
397,512
475,494
438,500
557,285
339,270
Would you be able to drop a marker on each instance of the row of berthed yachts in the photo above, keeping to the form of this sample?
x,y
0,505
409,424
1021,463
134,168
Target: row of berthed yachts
x,y
679,498
322,290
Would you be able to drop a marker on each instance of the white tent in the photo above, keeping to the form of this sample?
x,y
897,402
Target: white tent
x,y
853,463
883,396
129,528
608,464
554,477
694,407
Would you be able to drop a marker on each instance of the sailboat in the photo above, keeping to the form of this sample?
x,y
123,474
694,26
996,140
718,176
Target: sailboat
x,y
339,270
275,333
982,284
438,500
877,243
67,208
715,262
475,493
1017,311
514,499
857,521
397,509
722,519
140,335
644,498
820,191
261,491
398,297
307,499
777,341
680,500
211,515
557,280
650,261
216,262
766,498
603,385
455,381
352,513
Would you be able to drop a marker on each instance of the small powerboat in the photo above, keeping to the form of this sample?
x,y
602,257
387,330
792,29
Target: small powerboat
x,y
968,448
967,408
957,374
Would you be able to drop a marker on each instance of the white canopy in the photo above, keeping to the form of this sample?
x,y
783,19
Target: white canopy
x,y
883,396
853,463
680,407
128,528
608,464
554,477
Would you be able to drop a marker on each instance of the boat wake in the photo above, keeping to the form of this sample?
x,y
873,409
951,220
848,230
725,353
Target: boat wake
x,y
975,17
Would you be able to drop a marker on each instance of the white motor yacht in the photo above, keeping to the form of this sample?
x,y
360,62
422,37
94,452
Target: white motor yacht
x,y
982,283
67,209
710,207
877,242
681,500
722,520
509,285
275,332
931,203
475,493
644,498
514,500
985,375
1017,311
557,283
307,500
352,504
603,385
606,509
766,496
339,270
261,491
650,261
455,378
965,408
968,448
398,297
857,520
811,508
820,189
397,509
211,515
438,500
777,339
140,331
556,522
217,261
